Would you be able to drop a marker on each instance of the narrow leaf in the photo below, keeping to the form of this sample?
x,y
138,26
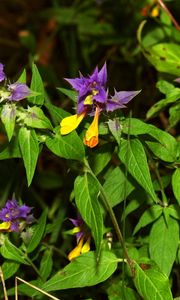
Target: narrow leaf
x,y
10,251
132,154
30,150
175,184
38,233
36,86
8,117
86,197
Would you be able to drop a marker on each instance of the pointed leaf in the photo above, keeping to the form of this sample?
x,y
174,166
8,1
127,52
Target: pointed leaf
x,y
68,146
38,231
36,86
30,150
86,197
10,251
151,283
148,216
175,184
83,271
132,154
163,243
8,117
36,118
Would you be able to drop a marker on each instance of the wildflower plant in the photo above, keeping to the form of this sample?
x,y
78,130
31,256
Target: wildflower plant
x,y
118,173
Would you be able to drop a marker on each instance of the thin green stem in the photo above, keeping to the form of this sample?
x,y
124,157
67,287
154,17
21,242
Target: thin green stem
x,y
34,267
112,215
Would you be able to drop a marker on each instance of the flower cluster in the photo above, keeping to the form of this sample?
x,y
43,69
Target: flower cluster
x,y
83,238
14,217
12,92
93,97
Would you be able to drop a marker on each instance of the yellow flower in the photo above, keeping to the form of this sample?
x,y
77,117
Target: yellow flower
x,y
70,123
5,226
80,248
91,138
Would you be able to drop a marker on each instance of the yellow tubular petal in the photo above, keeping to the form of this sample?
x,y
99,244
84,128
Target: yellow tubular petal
x,y
5,226
91,137
86,246
70,123
76,251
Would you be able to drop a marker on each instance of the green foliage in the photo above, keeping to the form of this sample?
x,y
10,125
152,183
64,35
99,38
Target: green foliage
x,y
126,189
86,196
84,271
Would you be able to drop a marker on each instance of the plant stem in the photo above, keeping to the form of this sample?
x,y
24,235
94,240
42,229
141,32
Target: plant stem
x,y
164,7
112,216
34,267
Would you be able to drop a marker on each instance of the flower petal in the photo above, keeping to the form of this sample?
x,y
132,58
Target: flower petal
x,y
70,123
91,137
2,74
102,75
120,99
86,246
76,251
18,91
5,226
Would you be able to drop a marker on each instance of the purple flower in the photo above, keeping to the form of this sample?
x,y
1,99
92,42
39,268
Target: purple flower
x,y
2,74
92,99
14,214
90,89
13,92
18,91
83,238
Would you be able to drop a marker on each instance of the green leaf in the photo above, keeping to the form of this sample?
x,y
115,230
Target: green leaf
x,y
151,283
117,186
164,57
86,196
83,271
117,290
22,77
174,211
57,113
9,268
165,146
132,154
69,93
8,117
46,264
174,115
68,146
165,87
36,118
10,251
30,150
175,184
10,149
38,232
36,86
163,243
162,104
148,216
100,157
